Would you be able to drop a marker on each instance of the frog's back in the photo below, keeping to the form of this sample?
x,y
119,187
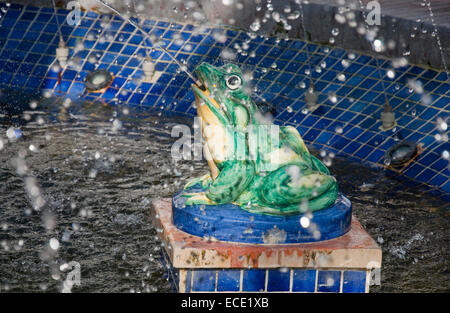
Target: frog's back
x,y
279,146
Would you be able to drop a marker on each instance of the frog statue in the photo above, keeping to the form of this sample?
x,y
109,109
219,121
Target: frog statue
x,y
254,169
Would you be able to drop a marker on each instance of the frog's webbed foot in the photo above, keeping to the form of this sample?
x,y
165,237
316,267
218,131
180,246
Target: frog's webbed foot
x,y
281,189
197,198
233,179
204,182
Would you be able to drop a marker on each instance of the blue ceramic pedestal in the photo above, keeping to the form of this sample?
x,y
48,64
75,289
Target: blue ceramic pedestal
x,y
227,249
228,222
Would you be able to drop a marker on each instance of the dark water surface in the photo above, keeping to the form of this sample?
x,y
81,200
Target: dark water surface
x,y
92,177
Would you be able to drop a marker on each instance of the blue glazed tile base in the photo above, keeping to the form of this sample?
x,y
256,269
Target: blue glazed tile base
x,y
271,280
228,222
328,281
213,266
304,280
354,281
254,280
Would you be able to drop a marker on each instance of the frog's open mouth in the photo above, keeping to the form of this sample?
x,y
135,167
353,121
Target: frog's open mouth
x,y
203,94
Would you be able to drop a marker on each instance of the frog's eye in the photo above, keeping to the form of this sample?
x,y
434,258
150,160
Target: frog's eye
x,y
233,82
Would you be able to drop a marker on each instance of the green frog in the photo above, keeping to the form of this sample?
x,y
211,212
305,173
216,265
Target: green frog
x,y
255,164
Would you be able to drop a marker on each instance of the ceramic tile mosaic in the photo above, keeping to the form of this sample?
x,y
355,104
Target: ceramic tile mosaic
x,y
197,265
336,281
346,123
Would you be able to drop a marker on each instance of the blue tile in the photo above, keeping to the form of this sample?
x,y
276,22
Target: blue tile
x,y
375,156
19,80
188,280
48,83
354,281
446,187
279,280
254,280
304,280
228,280
426,175
311,135
439,165
136,98
77,88
204,280
34,82
328,281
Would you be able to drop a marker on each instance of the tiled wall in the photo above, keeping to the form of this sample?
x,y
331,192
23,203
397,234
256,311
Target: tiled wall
x,y
349,126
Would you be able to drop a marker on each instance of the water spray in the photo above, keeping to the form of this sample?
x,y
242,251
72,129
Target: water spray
x,y
150,74
144,32
387,117
62,52
311,95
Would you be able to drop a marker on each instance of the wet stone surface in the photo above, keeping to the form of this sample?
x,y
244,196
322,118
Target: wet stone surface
x,y
95,171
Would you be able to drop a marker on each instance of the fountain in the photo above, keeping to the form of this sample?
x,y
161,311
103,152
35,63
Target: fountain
x,y
267,206
137,26
264,196
269,213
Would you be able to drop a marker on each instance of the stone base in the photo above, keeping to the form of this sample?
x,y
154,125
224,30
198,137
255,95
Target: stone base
x,y
342,264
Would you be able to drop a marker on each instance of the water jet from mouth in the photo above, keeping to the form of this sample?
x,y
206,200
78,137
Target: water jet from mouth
x,y
182,67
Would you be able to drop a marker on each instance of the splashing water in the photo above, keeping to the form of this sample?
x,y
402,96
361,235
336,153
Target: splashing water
x,y
103,221
182,66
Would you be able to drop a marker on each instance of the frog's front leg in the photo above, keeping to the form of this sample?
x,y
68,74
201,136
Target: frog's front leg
x,y
197,198
232,180
204,181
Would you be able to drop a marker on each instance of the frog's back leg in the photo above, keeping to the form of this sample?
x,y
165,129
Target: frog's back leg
x,y
291,137
232,180
323,201
319,166
280,188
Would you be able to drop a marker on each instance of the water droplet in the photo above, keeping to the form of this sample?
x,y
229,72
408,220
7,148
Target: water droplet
x,y
54,244
256,25
445,154
341,77
332,97
340,18
305,222
442,124
390,74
